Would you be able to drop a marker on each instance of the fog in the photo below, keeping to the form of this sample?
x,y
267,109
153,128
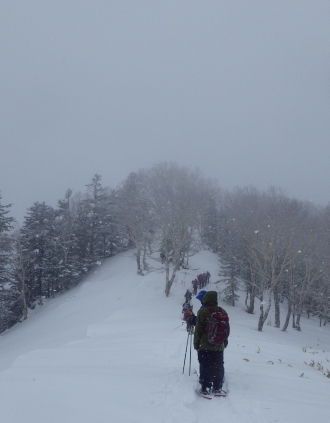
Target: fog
x,y
239,89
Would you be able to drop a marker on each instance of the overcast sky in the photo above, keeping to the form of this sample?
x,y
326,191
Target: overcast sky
x,y
240,89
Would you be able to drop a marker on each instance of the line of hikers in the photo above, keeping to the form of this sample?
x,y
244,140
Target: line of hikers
x,y
202,280
211,329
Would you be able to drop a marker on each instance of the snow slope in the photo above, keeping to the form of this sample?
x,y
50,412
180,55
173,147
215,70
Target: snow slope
x,y
108,351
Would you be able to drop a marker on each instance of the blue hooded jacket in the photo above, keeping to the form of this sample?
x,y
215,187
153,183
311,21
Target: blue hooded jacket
x,y
200,298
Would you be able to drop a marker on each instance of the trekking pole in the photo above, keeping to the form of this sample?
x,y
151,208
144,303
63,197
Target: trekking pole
x,y
179,326
185,354
190,351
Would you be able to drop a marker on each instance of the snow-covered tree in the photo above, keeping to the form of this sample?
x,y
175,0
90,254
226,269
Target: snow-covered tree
x,y
210,215
96,229
174,196
8,295
38,237
135,215
229,275
69,265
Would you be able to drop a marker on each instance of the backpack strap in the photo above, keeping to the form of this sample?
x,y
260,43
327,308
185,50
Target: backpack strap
x,y
211,309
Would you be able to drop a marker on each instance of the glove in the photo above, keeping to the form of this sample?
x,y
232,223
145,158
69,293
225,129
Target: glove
x,y
225,343
196,347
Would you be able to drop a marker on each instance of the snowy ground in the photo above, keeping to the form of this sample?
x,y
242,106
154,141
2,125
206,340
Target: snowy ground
x,y
108,351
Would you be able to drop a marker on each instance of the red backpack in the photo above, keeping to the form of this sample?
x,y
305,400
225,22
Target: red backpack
x,y
188,313
217,327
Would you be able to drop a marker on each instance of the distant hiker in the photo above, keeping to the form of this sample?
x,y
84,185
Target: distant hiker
x,y
201,280
204,279
188,317
210,349
188,296
162,257
208,275
185,307
195,286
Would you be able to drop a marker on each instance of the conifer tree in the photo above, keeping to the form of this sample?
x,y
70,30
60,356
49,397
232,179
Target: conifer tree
x,y
38,236
229,275
6,222
210,215
95,225
19,264
8,294
69,263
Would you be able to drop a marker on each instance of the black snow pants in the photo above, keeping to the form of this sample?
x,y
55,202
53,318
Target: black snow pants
x,y
211,369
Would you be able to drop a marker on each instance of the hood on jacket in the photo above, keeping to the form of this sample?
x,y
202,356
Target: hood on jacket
x,y
201,295
210,297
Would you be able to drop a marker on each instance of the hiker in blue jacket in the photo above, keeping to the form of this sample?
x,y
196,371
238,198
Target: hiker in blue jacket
x,y
199,297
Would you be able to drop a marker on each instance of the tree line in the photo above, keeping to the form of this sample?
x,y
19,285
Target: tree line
x,y
276,247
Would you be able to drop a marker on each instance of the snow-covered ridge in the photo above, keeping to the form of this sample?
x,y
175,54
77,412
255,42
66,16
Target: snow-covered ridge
x,y
108,351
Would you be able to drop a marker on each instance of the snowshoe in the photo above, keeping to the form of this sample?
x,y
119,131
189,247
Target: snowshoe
x,y
203,393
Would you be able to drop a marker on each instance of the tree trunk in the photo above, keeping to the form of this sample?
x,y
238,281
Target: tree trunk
x,y
169,281
294,317
264,314
288,315
252,290
246,300
268,306
24,296
277,308
138,260
144,259
167,277
297,326
261,316
252,300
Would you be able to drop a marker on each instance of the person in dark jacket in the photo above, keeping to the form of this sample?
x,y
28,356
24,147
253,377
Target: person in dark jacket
x,y
195,285
188,296
210,356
